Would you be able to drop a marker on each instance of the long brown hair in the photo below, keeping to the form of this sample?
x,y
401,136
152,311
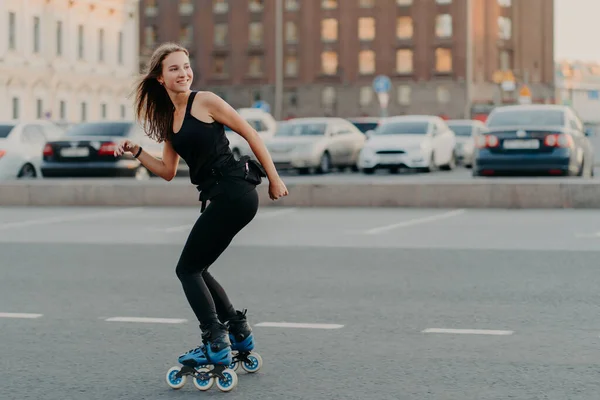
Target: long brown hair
x,y
153,106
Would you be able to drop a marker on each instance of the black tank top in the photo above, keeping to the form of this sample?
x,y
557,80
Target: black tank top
x,y
205,149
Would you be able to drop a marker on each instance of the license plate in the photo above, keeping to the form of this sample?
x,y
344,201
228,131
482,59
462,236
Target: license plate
x,y
75,152
521,144
392,157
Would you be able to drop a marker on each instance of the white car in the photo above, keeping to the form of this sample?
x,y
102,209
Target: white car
x,y
421,142
316,144
261,121
22,146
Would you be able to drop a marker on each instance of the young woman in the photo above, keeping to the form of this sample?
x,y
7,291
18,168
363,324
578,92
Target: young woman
x,y
191,126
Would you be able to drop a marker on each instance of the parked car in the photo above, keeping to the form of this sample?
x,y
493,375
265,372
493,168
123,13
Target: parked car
x,y
466,130
21,145
261,121
315,144
87,150
423,142
534,139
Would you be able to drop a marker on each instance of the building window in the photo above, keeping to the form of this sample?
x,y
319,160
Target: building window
x,y
103,110
123,112
256,33
443,60
219,66
366,3
504,3
505,61
329,62
186,7
59,40
504,28
151,8
403,92
404,28
291,66
80,42
256,5
83,112
220,34
63,110
255,67
12,31
101,45
329,30
366,96
120,49
366,28
404,2
366,62
404,61
186,35
39,108
291,32
328,96
150,36
36,34
443,1
329,4
443,95
292,5
443,26
220,6
15,108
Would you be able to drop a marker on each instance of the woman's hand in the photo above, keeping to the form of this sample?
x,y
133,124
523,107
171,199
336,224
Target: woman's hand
x,y
277,189
126,146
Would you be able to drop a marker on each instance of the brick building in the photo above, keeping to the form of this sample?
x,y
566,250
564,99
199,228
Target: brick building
x,y
332,50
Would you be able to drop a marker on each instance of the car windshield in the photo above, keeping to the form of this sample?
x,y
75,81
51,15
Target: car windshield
x,y
301,129
461,130
526,117
100,129
403,128
5,130
365,126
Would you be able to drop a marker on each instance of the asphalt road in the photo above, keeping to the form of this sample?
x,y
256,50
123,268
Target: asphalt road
x,y
520,286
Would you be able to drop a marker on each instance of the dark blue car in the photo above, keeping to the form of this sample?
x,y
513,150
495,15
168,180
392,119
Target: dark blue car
x,y
537,139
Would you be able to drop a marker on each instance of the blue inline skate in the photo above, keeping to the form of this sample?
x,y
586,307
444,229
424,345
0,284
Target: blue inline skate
x,y
242,344
208,363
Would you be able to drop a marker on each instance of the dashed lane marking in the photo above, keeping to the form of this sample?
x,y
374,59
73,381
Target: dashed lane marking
x,y
147,320
19,315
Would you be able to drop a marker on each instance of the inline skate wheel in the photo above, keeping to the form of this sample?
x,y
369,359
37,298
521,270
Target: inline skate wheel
x,y
230,381
203,380
173,381
255,363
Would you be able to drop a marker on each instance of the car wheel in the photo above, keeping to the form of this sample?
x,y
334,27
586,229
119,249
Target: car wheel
x,y
27,171
325,164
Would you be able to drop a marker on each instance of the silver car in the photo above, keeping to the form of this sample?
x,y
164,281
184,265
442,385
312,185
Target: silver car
x,y
466,131
316,144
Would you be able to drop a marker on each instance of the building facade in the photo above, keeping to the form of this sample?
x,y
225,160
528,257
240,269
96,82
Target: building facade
x,y
333,49
578,85
68,60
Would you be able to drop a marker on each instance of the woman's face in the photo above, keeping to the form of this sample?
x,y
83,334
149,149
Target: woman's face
x,y
177,75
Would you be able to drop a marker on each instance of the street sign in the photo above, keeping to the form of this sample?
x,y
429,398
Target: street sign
x,y
525,95
382,84
262,105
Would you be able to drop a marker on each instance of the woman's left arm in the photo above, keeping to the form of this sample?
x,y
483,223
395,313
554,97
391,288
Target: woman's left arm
x,y
222,112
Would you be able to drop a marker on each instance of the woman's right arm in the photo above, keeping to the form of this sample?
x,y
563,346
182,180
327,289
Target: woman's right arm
x,y
165,168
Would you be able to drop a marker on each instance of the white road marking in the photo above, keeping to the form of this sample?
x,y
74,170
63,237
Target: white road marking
x,y
298,325
415,221
67,218
468,331
147,320
19,315
267,214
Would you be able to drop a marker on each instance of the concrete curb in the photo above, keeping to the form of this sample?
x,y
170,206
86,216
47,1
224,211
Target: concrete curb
x,y
476,193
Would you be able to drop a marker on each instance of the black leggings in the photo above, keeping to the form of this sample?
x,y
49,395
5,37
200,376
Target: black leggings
x,y
209,237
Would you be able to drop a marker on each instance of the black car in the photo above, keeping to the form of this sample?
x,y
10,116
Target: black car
x,y
87,150
538,139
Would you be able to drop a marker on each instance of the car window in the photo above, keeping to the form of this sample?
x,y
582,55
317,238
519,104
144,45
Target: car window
x,y
462,130
365,126
100,129
301,129
405,127
5,130
526,117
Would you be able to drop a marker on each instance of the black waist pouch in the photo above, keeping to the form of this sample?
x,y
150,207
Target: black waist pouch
x,y
253,171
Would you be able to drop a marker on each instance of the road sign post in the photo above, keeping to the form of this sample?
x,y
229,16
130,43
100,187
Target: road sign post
x,y
382,86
